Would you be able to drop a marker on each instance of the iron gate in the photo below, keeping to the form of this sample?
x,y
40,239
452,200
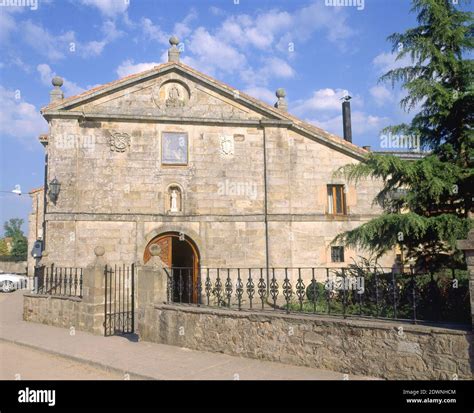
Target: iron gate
x,y
119,300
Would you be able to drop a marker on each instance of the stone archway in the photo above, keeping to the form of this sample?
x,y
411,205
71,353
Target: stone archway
x,y
181,254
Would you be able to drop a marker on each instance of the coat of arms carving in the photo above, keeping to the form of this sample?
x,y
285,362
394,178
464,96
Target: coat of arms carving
x,y
227,146
119,142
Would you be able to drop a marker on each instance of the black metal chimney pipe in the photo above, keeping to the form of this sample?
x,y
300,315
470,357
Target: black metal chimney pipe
x,y
346,118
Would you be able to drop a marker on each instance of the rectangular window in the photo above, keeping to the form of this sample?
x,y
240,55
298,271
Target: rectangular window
x,y
174,148
337,254
336,200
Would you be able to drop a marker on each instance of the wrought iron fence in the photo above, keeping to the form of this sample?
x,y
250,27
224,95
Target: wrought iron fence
x,y
60,281
362,292
119,302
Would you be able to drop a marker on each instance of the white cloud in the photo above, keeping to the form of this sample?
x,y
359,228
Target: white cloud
x,y
381,95
225,48
181,29
128,67
271,68
95,47
259,32
18,118
153,32
261,93
216,11
55,47
46,74
324,109
331,21
109,8
361,123
213,52
385,62
278,67
322,100
7,26
110,31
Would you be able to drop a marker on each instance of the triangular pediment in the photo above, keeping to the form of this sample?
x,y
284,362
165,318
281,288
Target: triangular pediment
x,y
176,92
170,93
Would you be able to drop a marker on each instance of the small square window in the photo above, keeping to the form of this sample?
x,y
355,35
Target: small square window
x,y
337,254
174,148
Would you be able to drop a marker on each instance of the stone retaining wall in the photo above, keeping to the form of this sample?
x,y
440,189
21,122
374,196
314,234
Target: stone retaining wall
x,y
19,267
58,311
373,348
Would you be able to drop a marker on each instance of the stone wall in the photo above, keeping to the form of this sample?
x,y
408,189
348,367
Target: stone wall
x,y
373,348
86,313
15,267
35,224
56,311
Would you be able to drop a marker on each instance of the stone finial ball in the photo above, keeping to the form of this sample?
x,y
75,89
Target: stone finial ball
x,y
57,81
99,251
154,250
174,41
280,93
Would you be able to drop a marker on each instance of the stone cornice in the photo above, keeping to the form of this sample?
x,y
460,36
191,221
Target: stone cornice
x,y
81,116
133,217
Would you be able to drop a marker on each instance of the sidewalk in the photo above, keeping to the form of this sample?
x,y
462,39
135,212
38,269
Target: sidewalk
x,y
143,360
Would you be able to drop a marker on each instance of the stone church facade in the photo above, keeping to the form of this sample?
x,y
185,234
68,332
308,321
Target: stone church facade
x,y
213,176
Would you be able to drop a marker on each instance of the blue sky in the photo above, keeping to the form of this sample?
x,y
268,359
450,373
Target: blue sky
x,y
314,51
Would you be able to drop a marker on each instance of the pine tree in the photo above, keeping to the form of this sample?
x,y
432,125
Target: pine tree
x,y
437,190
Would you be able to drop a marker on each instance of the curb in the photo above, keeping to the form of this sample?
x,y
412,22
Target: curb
x,y
96,364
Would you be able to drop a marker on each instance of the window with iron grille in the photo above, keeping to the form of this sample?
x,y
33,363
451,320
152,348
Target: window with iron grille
x,y
337,254
336,200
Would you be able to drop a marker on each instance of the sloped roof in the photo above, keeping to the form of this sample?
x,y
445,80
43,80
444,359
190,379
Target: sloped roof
x,y
33,191
305,127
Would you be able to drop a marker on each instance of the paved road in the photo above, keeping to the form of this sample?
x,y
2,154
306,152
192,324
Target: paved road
x,y
141,359
22,363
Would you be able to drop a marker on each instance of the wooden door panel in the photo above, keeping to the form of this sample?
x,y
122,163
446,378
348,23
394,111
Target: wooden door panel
x,y
164,245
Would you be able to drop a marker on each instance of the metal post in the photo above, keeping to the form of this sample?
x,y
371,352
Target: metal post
x,y
413,293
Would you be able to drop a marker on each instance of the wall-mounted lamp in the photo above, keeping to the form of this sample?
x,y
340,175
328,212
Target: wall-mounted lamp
x,y
54,188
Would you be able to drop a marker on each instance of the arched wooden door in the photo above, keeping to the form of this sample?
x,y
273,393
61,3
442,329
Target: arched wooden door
x,y
180,253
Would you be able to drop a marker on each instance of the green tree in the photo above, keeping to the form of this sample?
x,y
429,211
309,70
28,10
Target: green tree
x,y
20,247
437,190
12,228
3,247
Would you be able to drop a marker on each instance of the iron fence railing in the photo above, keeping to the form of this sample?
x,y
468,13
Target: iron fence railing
x,y
119,302
363,292
59,281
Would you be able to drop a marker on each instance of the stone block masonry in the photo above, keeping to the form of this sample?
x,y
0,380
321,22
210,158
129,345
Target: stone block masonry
x,y
373,348
15,267
84,313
